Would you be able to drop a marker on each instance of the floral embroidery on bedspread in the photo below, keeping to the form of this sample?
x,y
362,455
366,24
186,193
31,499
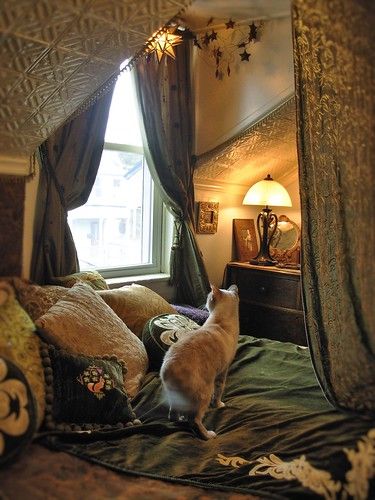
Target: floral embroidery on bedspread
x,y
320,481
363,466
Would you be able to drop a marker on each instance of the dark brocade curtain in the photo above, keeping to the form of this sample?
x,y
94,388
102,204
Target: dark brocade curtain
x,y
165,98
334,45
69,163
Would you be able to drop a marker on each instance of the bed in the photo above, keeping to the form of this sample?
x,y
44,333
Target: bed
x,y
278,437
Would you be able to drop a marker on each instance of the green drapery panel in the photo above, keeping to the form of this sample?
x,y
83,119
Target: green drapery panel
x,y
334,44
69,160
165,98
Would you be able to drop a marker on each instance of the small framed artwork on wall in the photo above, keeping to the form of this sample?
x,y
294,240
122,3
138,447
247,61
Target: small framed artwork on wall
x,y
245,239
208,215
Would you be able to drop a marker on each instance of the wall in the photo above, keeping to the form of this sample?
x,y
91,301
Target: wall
x,y
21,167
223,108
30,198
218,249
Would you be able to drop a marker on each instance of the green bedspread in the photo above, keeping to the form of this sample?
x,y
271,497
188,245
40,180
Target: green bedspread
x,y
278,437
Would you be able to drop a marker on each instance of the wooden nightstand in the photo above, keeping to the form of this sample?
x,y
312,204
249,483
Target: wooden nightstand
x,y
270,301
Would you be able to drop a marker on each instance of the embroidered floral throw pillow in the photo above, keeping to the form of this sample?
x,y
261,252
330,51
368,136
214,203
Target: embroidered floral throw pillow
x,y
82,323
84,392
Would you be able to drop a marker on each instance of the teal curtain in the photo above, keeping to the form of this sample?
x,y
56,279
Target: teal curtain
x,y
334,45
69,162
165,98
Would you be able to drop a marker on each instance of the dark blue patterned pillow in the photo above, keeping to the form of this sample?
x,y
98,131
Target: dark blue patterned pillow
x,y
18,412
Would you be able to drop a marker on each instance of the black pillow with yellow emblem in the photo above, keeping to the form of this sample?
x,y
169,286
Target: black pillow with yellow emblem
x,y
18,411
160,332
84,392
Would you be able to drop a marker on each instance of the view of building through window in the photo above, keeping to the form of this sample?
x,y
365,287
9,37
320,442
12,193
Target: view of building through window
x,y
114,228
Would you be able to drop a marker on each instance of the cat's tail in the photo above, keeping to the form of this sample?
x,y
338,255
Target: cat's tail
x,y
175,397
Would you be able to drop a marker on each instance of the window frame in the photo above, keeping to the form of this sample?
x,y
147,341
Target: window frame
x,y
160,219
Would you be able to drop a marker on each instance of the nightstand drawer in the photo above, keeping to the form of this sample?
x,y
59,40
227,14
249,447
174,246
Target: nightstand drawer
x,y
270,301
263,287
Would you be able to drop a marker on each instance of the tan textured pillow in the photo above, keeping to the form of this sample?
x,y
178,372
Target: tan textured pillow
x,y
92,278
19,343
82,323
36,299
135,305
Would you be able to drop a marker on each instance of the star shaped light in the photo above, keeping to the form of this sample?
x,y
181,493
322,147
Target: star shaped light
x,y
206,39
245,56
230,24
162,42
253,32
213,35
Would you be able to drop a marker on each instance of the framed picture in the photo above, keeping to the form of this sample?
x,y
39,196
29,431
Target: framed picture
x,y
245,239
208,215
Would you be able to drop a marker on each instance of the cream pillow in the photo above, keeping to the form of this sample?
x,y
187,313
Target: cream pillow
x,y
135,305
82,323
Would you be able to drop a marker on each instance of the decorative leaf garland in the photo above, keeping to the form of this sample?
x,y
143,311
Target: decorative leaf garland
x,y
228,48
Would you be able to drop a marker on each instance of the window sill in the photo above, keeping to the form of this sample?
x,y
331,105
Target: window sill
x,y
141,280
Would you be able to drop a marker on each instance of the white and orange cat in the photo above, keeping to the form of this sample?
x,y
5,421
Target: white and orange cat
x,y
195,368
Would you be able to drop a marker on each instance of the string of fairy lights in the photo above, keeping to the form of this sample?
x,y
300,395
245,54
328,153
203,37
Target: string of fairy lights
x,y
226,47
222,46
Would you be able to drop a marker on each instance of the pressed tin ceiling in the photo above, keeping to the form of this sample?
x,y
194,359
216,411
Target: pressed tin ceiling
x,y
54,54
268,145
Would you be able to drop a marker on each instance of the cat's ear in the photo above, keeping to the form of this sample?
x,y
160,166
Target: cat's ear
x,y
233,288
215,290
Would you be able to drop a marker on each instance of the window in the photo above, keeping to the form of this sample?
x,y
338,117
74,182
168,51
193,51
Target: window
x,y
119,230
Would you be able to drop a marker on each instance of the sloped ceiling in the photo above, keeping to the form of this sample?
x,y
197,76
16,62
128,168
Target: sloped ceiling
x,y
268,145
239,10
54,54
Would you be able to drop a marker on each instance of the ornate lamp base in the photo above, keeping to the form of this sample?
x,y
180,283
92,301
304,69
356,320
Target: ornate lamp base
x,y
264,220
263,261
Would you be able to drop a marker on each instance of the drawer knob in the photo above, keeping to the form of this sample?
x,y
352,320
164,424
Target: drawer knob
x,y
262,289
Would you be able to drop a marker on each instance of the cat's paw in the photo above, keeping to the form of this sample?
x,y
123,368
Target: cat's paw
x,y
217,404
210,434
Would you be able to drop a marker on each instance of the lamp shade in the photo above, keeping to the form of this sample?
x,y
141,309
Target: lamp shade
x,y
268,193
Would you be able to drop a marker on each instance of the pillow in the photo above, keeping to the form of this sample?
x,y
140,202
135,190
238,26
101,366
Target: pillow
x,y
84,392
135,304
20,344
196,314
82,323
36,299
18,420
161,332
92,278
